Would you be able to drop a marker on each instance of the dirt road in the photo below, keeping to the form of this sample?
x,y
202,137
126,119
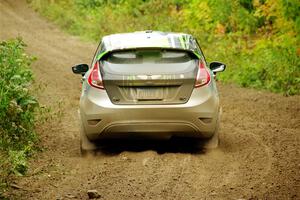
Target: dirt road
x,y
258,157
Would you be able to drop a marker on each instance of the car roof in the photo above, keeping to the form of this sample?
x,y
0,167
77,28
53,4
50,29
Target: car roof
x,y
149,39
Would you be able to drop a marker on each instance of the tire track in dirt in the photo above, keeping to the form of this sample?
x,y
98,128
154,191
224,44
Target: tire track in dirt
x,y
258,156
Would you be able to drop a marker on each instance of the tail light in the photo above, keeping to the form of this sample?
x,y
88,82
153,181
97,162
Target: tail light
x,y
203,76
95,79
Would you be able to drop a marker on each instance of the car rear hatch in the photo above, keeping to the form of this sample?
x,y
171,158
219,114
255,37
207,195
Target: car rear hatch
x,y
149,76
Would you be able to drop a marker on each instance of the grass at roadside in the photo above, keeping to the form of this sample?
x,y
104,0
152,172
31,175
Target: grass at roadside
x,y
258,40
17,110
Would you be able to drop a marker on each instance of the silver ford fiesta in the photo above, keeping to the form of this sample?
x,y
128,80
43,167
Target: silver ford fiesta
x,y
148,85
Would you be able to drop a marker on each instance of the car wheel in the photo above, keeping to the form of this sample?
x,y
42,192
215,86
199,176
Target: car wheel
x,y
86,146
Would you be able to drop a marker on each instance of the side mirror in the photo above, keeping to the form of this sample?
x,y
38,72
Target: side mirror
x,y
80,69
217,67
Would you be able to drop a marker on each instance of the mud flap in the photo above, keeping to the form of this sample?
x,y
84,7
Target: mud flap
x,y
214,141
86,146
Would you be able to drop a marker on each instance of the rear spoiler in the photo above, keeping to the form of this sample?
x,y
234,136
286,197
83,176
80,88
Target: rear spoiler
x,y
102,54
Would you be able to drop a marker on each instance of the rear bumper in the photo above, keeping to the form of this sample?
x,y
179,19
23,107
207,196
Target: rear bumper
x,y
196,118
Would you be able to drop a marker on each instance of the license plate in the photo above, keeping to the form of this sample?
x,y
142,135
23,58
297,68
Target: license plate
x,y
149,93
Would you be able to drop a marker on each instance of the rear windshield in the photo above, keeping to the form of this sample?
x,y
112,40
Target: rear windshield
x,y
149,56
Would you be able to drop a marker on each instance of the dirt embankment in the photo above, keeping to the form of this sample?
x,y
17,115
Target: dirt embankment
x,y
258,156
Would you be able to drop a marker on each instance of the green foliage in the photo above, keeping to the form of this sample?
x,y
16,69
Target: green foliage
x,y
17,109
291,9
259,40
269,66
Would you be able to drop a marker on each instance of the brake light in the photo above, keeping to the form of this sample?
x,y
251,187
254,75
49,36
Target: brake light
x,y
203,76
95,79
